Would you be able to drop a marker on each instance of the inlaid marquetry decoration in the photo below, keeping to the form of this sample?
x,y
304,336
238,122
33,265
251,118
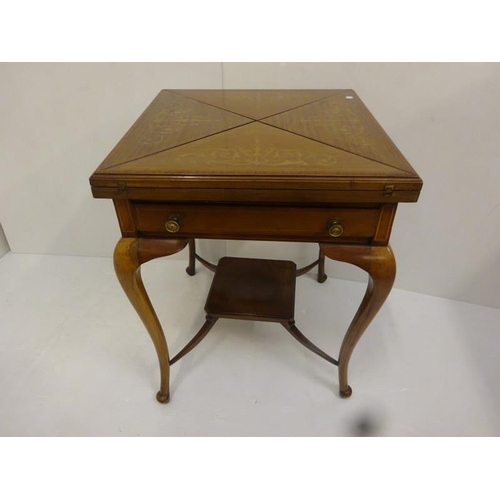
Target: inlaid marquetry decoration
x,y
169,121
344,122
257,104
195,133
256,149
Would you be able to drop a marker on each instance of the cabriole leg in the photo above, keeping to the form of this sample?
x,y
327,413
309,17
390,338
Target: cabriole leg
x,y
380,265
129,254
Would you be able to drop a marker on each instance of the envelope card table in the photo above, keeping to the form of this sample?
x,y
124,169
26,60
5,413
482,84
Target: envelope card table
x,y
276,165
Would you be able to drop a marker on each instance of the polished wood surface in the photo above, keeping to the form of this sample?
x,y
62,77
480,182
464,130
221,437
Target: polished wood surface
x,y
256,222
186,147
361,223
380,265
243,190
343,121
129,254
169,121
257,104
257,149
253,289
256,290
280,165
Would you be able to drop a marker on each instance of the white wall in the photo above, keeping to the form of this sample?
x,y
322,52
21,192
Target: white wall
x,y
58,121
4,245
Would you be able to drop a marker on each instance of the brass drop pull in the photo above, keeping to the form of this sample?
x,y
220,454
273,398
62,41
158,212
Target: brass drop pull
x,y
335,228
173,225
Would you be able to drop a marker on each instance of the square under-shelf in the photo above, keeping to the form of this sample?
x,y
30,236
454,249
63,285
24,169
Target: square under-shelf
x,y
253,289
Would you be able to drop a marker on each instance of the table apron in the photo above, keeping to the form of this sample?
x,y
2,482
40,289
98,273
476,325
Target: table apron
x,y
360,225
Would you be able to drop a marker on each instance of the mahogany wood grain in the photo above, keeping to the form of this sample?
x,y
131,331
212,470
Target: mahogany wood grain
x,y
253,289
380,265
125,218
256,222
331,192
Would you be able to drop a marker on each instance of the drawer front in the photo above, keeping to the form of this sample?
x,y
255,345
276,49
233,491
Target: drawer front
x,y
259,223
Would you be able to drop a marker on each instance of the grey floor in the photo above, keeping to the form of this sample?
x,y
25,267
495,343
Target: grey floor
x,y
76,361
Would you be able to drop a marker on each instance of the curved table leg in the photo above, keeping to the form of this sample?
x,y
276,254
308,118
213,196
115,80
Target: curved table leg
x,y
298,335
202,333
129,254
380,265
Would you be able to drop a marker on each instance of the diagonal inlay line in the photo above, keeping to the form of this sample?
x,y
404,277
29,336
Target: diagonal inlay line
x,y
345,124
260,121
333,92
302,105
252,150
170,120
177,146
336,147
209,104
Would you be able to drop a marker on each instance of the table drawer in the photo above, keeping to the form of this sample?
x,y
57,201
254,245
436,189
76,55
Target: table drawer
x,y
256,222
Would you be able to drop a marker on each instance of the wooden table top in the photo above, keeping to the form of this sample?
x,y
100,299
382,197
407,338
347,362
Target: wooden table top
x,y
322,142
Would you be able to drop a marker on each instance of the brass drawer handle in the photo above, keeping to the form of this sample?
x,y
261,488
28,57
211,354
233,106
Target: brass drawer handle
x,y
335,228
173,225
